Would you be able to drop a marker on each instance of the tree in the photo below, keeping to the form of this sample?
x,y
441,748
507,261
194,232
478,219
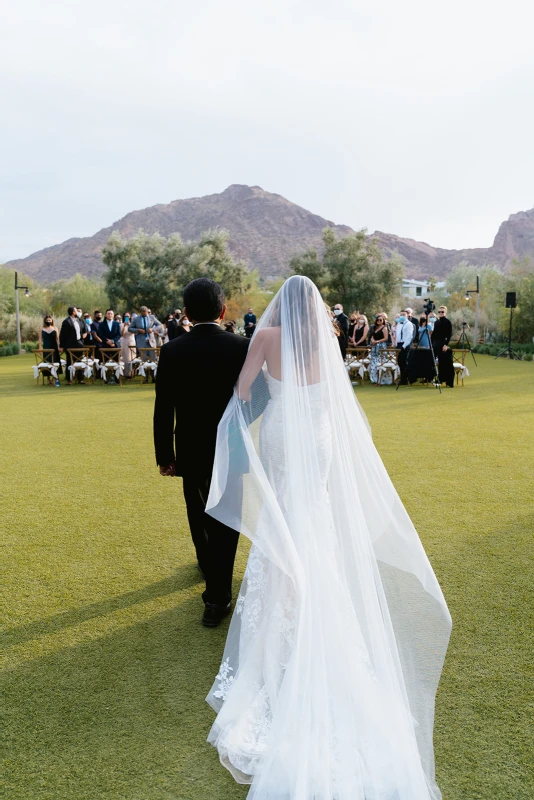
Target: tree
x,y
153,270
81,291
352,272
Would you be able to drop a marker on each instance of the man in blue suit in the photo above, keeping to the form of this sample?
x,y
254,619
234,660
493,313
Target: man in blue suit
x,y
109,331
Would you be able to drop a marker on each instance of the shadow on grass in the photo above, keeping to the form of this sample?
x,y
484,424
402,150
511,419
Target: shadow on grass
x,y
121,717
185,576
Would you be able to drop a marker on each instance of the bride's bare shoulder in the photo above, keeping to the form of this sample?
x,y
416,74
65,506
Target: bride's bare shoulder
x,y
267,334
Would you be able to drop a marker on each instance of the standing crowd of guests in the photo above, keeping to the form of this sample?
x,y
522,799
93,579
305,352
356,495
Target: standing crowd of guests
x,y
405,332
129,331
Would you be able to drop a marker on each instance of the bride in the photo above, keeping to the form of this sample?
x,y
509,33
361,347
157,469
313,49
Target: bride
x,y
327,684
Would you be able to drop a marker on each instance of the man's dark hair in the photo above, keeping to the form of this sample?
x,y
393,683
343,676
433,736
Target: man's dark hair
x,y
204,300
97,311
71,310
110,309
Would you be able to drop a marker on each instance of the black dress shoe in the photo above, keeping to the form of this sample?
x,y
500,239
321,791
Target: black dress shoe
x,y
213,614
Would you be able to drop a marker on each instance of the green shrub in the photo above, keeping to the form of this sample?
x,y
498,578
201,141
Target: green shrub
x,y
524,350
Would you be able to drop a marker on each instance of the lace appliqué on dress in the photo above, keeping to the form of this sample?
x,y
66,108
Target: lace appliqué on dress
x,y
225,680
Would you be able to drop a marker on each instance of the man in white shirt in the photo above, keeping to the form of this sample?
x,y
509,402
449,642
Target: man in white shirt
x,y
404,335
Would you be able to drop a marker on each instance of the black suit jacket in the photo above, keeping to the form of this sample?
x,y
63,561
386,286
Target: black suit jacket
x,y
67,334
442,333
195,380
105,333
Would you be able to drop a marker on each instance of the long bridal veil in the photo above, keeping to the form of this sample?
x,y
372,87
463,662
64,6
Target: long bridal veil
x,y
327,685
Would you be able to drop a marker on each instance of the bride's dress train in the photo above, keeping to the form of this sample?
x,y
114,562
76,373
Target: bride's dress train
x,y
327,682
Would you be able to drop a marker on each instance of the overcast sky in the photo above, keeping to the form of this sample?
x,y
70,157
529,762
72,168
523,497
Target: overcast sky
x,y
405,116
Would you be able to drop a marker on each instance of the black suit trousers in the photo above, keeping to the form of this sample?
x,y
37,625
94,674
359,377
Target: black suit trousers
x,y
215,543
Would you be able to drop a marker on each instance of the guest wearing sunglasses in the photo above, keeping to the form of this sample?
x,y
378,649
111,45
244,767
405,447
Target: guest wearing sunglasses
x,y
441,336
379,341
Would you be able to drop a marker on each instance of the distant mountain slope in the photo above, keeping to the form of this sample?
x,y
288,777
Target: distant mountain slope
x,y
265,231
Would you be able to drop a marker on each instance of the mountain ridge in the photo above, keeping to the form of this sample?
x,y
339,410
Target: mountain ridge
x,y
265,230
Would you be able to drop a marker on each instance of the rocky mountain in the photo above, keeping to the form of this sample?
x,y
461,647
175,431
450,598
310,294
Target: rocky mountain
x,y
265,231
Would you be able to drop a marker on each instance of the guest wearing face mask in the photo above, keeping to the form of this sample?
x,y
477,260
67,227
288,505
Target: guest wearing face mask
x,y
432,319
404,333
49,340
343,325
184,326
441,336
359,337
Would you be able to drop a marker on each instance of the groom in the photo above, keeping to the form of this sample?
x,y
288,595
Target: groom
x,y
195,379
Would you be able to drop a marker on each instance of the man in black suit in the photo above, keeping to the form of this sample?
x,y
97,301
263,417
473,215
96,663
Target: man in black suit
x,y
70,336
250,323
109,330
195,381
343,324
441,336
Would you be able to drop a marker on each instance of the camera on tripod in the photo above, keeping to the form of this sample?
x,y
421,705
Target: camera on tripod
x,y
428,306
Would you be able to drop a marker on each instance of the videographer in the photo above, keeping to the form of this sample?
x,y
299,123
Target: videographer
x,y
441,336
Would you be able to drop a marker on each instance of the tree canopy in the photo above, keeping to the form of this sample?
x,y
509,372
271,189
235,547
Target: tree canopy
x,y
352,271
153,270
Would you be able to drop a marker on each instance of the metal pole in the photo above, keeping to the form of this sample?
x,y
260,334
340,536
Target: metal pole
x,y
17,317
476,312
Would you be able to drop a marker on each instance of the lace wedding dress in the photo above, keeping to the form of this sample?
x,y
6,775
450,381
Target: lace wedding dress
x,y
326,686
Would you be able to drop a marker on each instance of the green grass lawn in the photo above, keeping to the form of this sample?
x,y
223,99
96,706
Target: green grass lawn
x,y
107,663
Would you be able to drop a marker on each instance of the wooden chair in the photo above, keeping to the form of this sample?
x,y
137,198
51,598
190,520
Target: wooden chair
x,y
80,360
44,362
357,361
458,362
388,364
135,360
111,362
149,361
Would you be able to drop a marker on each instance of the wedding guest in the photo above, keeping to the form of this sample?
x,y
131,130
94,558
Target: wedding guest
x,y
250,323
84,328
171,326
359,337
49,340
353,322
127,345
343,323
109,330
96,341
424,333
145,327
409,314
70,338
184,326
441,336
404,334
230,326
379,342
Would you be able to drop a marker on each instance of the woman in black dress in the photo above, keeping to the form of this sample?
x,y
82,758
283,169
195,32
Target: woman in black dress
x,y
49,340
361,331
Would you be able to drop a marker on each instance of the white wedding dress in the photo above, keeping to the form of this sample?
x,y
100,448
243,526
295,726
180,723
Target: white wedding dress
x,y
327,683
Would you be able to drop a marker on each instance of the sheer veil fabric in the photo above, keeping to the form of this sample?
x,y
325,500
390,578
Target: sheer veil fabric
x,y
327,684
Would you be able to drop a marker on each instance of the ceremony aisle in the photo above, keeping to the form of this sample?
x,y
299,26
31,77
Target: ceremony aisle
x,y
107,663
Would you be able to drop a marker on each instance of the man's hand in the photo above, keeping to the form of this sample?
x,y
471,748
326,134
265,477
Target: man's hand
x,y
110,343
445,348
169,471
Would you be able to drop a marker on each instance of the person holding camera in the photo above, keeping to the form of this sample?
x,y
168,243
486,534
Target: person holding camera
x,y
441,336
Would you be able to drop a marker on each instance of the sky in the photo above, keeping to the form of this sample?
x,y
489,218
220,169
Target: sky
x,y
411,117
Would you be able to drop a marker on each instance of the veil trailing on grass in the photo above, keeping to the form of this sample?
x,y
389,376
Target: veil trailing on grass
x,y
327,684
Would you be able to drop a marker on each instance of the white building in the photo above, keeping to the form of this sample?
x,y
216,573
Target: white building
x,y
415,288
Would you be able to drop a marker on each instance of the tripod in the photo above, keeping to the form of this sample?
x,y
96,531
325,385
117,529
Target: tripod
x,y
508,352
414,349
463,340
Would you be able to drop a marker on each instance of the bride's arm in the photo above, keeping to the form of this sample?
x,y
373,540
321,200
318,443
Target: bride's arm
x,y
253,363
